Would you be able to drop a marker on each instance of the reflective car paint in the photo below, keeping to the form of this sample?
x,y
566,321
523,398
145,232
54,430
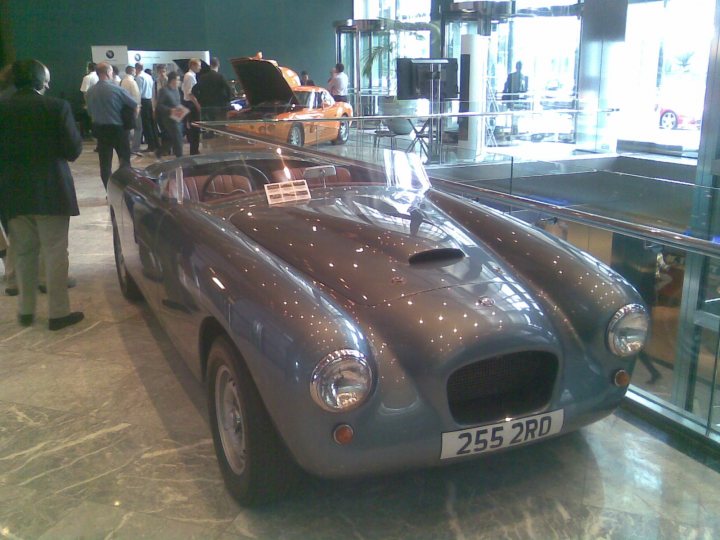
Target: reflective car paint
x,y
290,284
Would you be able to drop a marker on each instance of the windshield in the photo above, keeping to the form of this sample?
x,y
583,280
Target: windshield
x,y
222,178
306,99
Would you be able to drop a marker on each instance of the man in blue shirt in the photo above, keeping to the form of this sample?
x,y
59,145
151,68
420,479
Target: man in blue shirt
x,y
146,84
105,103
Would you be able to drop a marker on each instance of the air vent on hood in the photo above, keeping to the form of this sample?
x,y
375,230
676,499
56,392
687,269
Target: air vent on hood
x,y
445,255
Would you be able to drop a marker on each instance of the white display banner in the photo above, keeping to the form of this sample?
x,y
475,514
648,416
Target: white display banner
x,y
121,56
115,54
149,58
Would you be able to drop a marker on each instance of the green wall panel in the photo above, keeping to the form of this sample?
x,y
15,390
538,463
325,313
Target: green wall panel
x,y
60,33
299,35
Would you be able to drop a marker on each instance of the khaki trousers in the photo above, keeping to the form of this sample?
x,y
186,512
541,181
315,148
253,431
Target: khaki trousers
x,y
11,280
30,236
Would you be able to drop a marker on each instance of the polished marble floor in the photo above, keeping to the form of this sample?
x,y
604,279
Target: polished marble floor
x,y
103,435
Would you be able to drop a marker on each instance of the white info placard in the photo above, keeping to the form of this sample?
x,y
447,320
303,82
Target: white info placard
x,y
287,192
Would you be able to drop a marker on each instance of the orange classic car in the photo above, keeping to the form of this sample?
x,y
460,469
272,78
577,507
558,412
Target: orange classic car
x,y
274,93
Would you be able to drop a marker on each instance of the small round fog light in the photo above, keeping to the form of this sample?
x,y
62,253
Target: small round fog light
x,y
343,434
621,378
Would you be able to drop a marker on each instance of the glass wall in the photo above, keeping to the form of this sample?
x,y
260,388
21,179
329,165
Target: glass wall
x,y
666,48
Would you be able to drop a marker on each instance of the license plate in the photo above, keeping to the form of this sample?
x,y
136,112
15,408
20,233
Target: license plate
x,y
482,439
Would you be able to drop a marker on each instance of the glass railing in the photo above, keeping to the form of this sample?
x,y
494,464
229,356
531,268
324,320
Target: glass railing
x,y
649,233
451,137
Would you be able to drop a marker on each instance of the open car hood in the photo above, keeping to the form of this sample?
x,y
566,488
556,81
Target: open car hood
x,y
263,81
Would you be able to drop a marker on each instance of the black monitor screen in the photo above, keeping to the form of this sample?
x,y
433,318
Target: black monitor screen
x,y
429,78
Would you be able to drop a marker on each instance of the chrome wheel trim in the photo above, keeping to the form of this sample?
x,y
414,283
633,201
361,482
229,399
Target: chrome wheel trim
x,y
668,120
295,137
344,131
231,425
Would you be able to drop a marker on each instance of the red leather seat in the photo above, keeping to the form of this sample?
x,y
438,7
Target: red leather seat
x,y
223,185
191,191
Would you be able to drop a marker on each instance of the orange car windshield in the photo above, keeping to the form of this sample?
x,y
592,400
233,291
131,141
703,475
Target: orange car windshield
x,y
306,99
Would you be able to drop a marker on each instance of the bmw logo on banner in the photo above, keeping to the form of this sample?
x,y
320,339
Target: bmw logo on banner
x,y
115,54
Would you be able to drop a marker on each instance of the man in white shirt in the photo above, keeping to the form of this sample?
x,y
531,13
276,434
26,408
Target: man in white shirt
x,y
145,85
89,80
338,84
129,84
191,102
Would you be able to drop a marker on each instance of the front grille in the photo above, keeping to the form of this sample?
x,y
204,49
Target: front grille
x,y
502,387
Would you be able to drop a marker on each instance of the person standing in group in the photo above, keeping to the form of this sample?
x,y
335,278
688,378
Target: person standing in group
x,y
105,103
191,102
88,81
161,80
338,83
213,93
38,136
129,84
305,79
169,112
146,84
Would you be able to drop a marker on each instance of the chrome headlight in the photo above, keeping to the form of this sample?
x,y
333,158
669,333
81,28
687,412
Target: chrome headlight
x,y
628,330
341,381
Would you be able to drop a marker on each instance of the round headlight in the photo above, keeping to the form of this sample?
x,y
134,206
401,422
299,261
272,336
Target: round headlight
x,y
628,330
341,381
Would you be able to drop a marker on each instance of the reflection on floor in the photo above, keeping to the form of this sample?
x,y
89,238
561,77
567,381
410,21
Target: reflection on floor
x,y
103,434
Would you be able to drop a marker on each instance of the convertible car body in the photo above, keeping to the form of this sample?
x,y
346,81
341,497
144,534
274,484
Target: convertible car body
x,y
353,320
274,93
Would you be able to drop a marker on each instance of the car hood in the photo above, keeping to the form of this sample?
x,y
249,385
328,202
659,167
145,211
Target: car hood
x,y
263,81
371,245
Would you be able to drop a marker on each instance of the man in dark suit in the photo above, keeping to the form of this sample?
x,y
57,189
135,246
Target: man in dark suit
x,y
38,137
213,93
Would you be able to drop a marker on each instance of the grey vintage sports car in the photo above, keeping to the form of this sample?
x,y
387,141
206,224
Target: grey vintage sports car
x,y
352,320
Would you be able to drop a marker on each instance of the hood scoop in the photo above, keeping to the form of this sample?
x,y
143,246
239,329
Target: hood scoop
x,y
439,256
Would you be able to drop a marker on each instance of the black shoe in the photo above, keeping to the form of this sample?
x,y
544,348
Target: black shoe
x,y
26,320
68,320
12,291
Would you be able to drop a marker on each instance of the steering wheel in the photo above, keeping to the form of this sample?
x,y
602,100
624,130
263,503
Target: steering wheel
x,y
257,179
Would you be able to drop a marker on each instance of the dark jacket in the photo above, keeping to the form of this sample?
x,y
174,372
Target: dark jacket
x,y
212,90
38,137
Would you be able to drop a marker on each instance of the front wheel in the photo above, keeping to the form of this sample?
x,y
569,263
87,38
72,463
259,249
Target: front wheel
x,y
668,120
128,287
296,137
343,132
253,460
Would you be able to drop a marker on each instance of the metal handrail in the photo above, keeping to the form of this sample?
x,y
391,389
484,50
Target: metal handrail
x,y
414,116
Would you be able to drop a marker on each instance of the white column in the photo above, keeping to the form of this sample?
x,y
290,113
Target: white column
x,y
474,53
